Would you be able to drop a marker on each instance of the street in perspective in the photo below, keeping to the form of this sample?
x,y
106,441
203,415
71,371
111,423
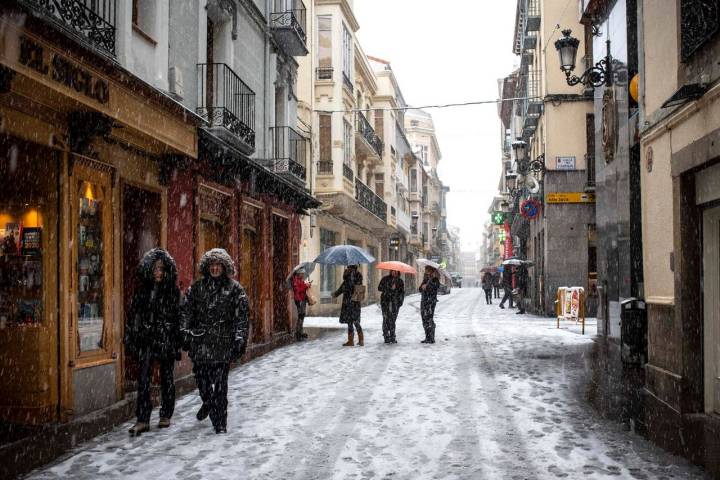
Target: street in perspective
x,y
359,239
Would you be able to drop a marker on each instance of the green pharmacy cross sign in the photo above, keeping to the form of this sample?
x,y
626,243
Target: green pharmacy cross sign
x,y
498,218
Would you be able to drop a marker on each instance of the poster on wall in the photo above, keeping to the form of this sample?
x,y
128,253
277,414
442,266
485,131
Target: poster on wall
x,y
9,243
31,241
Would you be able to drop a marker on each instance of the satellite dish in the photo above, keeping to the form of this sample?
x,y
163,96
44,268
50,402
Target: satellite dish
x,y
532,184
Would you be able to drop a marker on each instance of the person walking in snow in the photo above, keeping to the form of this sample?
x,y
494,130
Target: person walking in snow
x,y
497,282
152,334
507,286
350,310
487,286
215,321
521,276
428,299
300,287
392,296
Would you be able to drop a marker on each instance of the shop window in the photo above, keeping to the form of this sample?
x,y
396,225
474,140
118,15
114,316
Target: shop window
x,y
91,274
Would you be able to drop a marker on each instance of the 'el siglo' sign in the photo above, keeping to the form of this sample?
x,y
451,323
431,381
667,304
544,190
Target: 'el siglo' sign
x,y
63,71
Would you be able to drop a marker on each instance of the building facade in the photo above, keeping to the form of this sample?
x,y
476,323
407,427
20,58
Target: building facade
x,y
159,124
551,118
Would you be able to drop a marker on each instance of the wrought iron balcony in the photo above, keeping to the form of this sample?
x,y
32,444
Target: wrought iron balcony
x,y
90,21
288,24
348,172
324,73
325,167
289,154
370,200
532,15
699,22
347,82
373,146
227,104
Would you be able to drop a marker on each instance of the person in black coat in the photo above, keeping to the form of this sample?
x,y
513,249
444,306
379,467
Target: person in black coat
x,y
428,299
507,286
152,334
350,310
215,323
487,286
521,276
392,296
497,283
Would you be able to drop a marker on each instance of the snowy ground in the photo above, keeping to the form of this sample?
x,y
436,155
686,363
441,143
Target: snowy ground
x,y
499,396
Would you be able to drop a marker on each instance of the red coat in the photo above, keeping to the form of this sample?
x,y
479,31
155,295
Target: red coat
x,y
300,288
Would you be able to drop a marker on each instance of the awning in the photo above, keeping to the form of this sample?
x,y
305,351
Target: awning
x,y
237,164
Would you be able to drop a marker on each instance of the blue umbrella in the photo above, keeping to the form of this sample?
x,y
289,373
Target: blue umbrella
x,y
344,255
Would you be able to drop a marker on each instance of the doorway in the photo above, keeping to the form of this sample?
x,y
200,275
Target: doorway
x,y
280,269
251,271
711,293
142,230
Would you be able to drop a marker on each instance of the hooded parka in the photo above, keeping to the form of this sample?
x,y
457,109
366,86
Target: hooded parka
x,y
153,320
215,313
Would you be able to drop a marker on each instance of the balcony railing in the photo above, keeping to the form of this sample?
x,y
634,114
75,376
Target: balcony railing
x,y
226,102
347,82
348,172
93,21
288,23
368,133
532,15
325,167
289,152
699,23
324,73
370,200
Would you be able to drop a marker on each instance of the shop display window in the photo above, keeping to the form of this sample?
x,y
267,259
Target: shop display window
x,y
21,265
91,294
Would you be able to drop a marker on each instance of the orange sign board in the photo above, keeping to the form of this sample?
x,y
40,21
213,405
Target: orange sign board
x,y
570,197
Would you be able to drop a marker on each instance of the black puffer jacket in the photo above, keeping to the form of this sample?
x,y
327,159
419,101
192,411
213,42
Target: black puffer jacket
x,y
350,311
215,313
430,291
391,297
153,319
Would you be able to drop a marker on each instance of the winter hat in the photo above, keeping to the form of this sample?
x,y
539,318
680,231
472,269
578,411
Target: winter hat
x,y
218,255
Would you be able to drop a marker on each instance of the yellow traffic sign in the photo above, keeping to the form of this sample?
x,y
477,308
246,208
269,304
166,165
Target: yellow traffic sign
x,y
570,197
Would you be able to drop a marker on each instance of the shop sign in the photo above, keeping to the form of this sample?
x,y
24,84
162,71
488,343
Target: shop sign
x,y
565,163
63,71
570,197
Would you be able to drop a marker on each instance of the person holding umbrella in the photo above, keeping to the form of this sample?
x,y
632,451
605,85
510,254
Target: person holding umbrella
x,y
429,291
487,286
350,310
392,295
300,287
507,286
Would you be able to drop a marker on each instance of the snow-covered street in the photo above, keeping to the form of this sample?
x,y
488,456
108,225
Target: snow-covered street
x,y
498,396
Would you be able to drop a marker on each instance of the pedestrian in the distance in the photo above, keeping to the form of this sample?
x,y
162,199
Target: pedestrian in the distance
x,y
507,286
152,334
215,320
392,296
487,285
300,288
351,304
428,299
521,277
497,282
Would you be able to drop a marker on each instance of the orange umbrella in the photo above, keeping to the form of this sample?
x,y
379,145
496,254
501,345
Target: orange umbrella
x,y
397,266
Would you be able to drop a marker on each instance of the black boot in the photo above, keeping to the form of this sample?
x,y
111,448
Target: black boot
x,y
427,336
432,335
203,413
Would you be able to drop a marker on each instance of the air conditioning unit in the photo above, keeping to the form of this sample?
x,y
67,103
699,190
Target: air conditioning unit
x,y
175,82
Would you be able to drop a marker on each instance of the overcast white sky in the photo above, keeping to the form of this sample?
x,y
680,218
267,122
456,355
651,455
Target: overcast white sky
x,y
448,52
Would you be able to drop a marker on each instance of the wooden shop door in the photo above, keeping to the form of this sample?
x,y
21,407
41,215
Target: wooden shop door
x,y
280,268
142,231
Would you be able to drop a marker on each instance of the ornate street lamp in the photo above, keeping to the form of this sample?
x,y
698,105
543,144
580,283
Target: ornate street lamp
x,y
520,149
597,76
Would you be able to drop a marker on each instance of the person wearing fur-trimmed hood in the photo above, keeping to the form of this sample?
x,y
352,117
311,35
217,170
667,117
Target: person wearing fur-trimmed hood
x,y
152,334
215,323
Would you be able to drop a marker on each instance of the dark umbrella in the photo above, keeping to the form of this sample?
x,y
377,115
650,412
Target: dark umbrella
x,y
307,266
344,255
